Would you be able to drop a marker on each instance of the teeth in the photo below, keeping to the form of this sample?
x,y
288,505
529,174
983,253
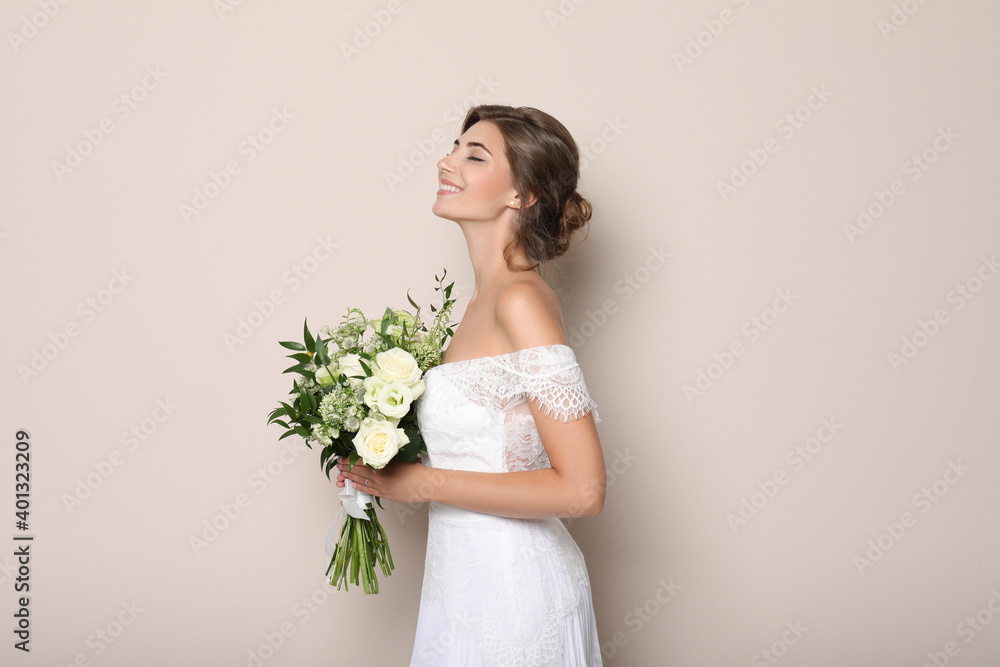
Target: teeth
x,y
450,188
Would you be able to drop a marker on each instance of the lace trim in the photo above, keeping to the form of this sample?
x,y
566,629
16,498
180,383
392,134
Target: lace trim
x,y
549,374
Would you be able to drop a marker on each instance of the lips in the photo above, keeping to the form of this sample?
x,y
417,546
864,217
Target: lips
x,y
447,187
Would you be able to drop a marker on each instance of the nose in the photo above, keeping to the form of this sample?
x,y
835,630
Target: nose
x,y
444,164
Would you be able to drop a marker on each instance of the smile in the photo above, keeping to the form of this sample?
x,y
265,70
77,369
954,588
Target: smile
x,y
449,188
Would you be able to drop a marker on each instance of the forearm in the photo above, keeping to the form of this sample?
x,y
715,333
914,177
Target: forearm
x,y
523,494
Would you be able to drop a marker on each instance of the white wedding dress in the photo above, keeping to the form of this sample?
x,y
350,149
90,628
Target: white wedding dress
x,y
501,592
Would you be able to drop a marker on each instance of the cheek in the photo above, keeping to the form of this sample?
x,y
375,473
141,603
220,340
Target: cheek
x,y
491,186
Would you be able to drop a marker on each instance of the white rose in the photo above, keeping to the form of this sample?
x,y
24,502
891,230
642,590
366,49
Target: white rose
x,y
350,365
323,377
397,365
401,317
394,400
378,441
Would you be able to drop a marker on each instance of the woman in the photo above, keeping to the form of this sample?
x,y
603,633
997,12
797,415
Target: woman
x,y
507,419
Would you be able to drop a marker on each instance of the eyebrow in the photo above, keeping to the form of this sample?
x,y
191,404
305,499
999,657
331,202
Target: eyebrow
x,y
475,143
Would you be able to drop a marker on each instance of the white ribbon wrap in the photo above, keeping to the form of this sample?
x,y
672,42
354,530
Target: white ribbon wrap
x,y
354,503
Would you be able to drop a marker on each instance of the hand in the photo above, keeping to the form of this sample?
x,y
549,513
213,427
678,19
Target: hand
x,y
398,480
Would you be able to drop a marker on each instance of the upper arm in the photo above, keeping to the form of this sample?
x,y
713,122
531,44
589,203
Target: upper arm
x,y
529,317
574,451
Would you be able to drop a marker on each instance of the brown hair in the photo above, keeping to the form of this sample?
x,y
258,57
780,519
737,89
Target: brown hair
x,y
544,163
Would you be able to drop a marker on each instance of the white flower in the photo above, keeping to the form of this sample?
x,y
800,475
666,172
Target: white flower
x,y
373,385
394,399
323,376
417,388
350,365
378,441
397,365
401,316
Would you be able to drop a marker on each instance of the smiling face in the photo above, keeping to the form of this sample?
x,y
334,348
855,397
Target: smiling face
x,y
474,181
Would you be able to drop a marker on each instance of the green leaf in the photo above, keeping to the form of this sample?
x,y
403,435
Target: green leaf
x,y
289,410
310,341
307,400
302,357
410,299
292,345
286,434
297,368
352,458
327,452
301,430
368,370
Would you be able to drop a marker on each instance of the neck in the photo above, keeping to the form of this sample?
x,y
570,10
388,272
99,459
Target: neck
x,y
486,243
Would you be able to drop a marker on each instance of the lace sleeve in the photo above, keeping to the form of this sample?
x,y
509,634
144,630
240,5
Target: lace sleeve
x,y
552,376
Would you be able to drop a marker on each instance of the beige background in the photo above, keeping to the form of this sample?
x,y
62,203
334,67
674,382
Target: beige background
x,y
661,134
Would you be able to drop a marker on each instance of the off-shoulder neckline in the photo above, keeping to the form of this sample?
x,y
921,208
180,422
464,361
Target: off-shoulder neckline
x,y
463,362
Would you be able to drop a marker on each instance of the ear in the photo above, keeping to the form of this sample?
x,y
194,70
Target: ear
x,y
515,201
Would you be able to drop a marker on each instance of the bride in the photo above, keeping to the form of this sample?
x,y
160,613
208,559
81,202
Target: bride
x,y
507,419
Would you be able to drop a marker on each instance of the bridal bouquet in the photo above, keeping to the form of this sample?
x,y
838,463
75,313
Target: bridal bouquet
x,y
354,396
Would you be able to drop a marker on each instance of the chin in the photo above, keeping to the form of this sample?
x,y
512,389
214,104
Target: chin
x,y
441,211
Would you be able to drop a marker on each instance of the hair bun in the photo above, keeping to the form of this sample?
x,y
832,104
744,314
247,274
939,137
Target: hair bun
x,y
576,214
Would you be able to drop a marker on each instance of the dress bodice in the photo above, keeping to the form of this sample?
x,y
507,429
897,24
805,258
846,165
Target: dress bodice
x,y
475,413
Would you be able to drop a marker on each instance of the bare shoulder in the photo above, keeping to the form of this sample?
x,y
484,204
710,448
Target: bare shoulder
x,y
528,314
